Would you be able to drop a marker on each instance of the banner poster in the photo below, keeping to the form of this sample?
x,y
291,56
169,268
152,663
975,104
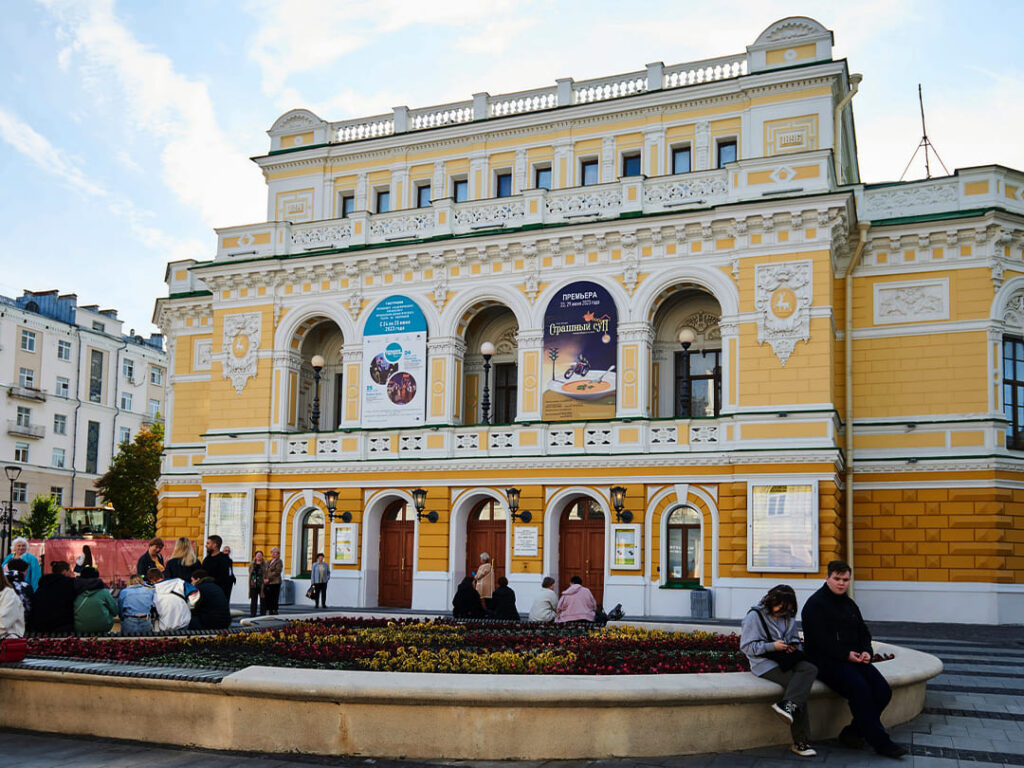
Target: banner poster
x,y
229,515
395,365
579,354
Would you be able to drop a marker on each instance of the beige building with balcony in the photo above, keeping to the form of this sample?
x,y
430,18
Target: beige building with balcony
x,y
74,386
670,282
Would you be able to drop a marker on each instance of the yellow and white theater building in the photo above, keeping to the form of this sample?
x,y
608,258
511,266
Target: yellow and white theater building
x,y
671,282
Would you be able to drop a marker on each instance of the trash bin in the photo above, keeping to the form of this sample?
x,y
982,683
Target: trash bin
x,y
700,603
287,592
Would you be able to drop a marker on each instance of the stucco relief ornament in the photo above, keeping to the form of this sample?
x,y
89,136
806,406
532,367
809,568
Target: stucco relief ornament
x,y
1013,314
241,345
783,294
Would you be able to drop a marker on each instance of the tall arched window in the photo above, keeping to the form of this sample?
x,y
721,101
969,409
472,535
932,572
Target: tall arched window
x,y
312,539
684,551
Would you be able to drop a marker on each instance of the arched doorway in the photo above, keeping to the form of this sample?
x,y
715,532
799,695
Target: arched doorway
x,y
485,532
312,540
687,382
581,546
685,553
397,532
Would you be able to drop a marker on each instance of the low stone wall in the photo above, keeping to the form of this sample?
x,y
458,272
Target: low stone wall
x,y
419,715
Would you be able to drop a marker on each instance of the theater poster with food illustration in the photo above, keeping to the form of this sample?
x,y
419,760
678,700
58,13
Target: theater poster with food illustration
x,y
394,364
579,354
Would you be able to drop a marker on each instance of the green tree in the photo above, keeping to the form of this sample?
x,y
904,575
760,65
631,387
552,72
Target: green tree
x,y
43,518
130,484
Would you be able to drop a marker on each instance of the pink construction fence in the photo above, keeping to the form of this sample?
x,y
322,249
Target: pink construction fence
x,y
115,559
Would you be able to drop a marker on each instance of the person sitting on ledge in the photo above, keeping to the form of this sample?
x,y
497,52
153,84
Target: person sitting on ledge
x,y
53,605
210,610
16,570
134,604
503,602
95,608
170,600
839,644
467,603
577,603
545,607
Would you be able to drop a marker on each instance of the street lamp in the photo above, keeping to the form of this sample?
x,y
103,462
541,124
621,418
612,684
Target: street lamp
x,y
419,500
619,501
686,338
512,494
331,498
12,472
318,365
487,350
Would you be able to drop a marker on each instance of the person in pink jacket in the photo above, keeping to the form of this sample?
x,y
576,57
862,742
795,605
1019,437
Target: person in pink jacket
x,y
577,603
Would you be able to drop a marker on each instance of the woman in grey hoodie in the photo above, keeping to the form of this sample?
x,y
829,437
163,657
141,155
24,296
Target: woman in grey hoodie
x,y
769,639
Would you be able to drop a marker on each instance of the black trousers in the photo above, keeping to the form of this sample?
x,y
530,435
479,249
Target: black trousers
x,y
867,693
271,594
256,600
320,595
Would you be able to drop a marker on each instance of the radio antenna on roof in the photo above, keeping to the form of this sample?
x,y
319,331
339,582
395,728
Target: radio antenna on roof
x,y
926,143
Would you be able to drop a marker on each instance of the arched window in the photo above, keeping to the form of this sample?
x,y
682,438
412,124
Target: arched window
x,y
584,509
312,540
684,551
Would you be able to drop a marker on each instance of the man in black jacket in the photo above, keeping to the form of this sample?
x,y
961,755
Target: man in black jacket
x,y
53,605
218,566
210,610
837,640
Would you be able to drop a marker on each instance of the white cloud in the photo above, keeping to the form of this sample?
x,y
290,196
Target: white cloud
x,y
199,163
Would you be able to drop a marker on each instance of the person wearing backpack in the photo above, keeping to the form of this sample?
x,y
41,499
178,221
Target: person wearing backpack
x,y
95,608
170,602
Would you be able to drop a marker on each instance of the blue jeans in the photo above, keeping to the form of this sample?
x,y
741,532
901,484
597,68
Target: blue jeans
x,y
133,625
867,692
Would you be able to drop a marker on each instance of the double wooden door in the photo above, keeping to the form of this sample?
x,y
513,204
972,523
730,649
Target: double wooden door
x,y
485,532
397,533
581,547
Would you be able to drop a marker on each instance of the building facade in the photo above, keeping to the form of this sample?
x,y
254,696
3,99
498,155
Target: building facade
x,y
74,387
661,305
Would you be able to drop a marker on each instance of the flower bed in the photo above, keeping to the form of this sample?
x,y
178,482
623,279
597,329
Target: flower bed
x,y
412,645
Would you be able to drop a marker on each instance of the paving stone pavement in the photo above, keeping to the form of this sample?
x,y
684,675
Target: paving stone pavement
x,y
973,718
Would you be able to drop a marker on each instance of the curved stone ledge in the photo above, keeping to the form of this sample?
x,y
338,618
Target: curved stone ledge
x,y
419,715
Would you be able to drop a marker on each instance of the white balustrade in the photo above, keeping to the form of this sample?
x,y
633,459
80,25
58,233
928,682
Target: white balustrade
x,y
479,214
707,188
523,101
585,201
322,235
707,71
605,88
364,128
392,226
442,114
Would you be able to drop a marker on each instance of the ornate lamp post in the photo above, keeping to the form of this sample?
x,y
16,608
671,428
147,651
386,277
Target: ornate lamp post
x,y
318,365
419,500
12,472
686,338
331,498
619,501
487,350
512,494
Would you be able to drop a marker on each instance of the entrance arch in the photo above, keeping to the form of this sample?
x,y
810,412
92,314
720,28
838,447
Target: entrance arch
x,y
581,545
485,532
397,545
312,540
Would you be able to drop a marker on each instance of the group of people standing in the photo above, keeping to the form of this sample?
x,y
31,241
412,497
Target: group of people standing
x,y
836,649
265,582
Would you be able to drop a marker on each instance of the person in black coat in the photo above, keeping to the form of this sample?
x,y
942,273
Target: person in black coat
x,y
838,642
151,558
503,602
53,605
210,610
218,565
467,604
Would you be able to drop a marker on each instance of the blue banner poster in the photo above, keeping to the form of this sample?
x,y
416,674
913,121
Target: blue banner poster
x,y
395,364
579,354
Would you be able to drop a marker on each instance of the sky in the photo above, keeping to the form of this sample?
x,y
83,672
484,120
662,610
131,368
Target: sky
x,y
126,128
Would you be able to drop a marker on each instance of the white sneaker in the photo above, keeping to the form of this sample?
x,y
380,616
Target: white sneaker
x,y
784,709
804,750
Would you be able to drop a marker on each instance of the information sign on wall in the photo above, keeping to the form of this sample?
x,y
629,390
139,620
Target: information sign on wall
x,y
229,515
626,547
783,528
345,544
579,354
395,365
525,542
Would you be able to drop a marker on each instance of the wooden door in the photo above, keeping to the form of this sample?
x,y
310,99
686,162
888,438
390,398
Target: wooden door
x,y
397,532
581,547
485,532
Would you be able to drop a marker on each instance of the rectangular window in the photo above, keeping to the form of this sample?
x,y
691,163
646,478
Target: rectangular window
x,y
57,493
124,435
156,376
63,350
128,369
423,196
631,164
383,201
90,498
505,391
58,458
98,326
26,378
726,152
24,416
681,160
60,424
698,390
21,452
588,173
63,387
460,190
154,409
92,449
348,205
542,178
126,401
95,376
28,341
503,185
21,492
1013,391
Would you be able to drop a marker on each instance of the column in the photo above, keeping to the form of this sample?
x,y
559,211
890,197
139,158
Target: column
x,y
287,368
445,358
351,380
634,380
531,374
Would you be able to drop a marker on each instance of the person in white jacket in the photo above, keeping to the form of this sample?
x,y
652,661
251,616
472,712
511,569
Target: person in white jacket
x,y
545,607
12,612
170,602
